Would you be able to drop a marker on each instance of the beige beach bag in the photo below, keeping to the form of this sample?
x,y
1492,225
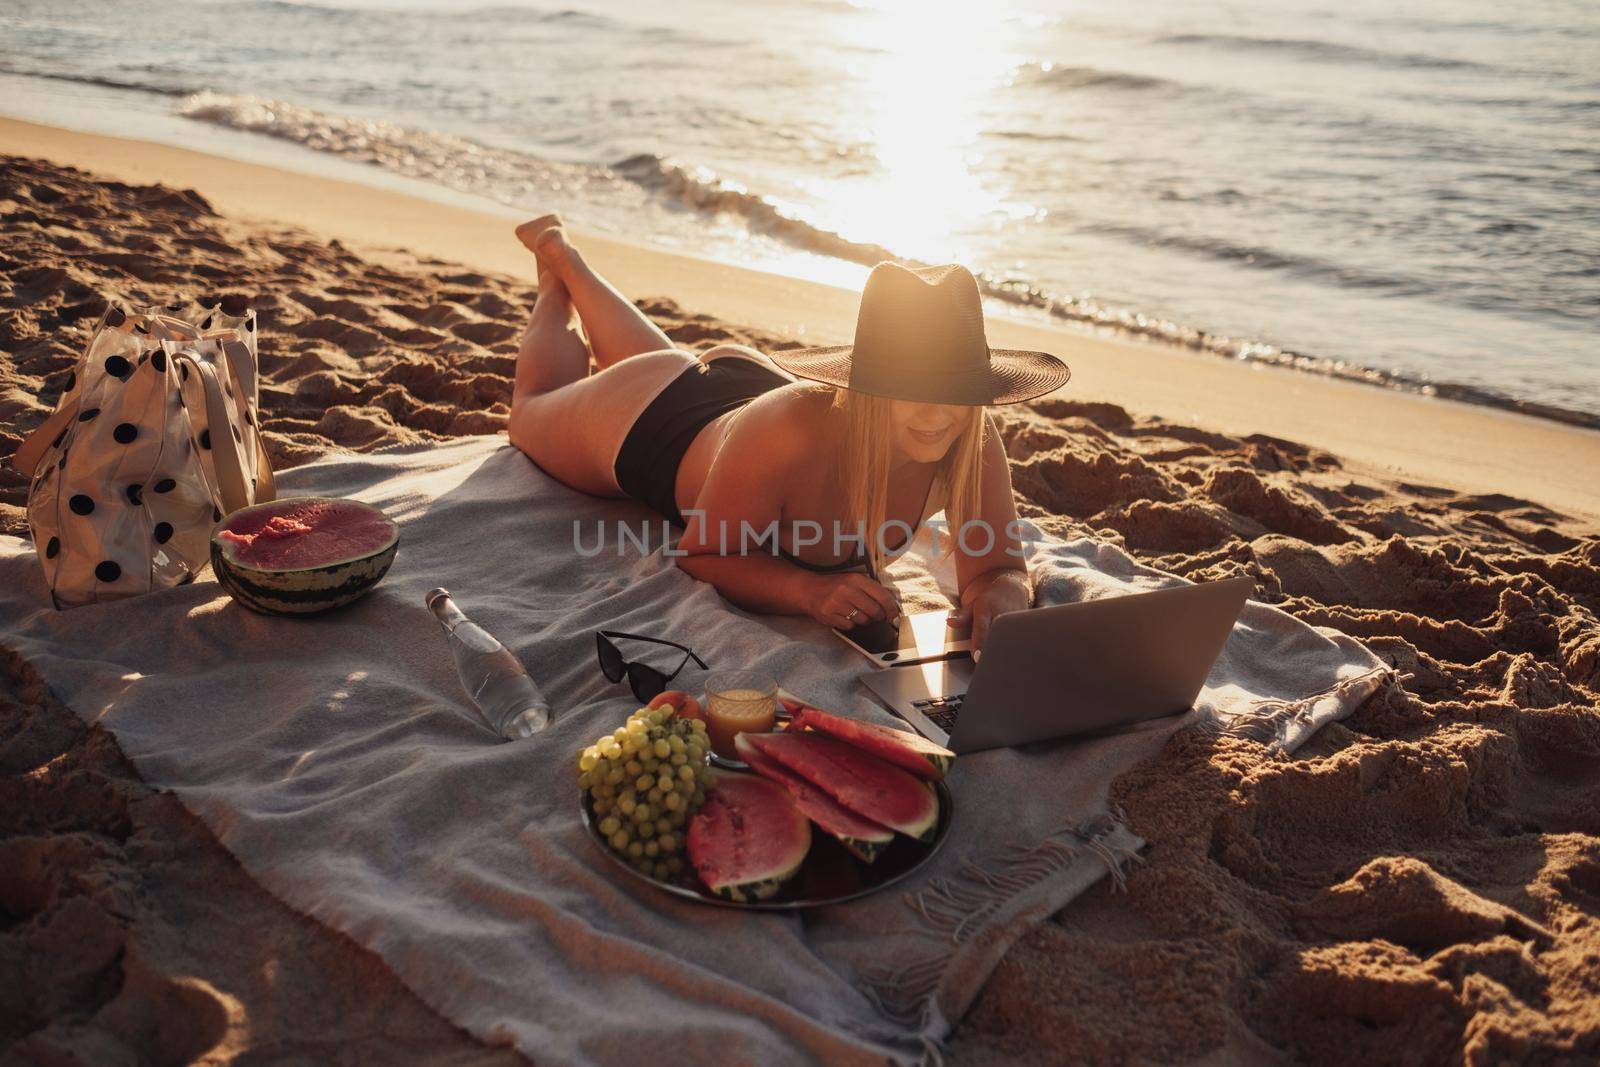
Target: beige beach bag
x,y
154,441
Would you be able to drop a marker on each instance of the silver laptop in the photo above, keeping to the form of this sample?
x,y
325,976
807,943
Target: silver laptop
x,y
1069,668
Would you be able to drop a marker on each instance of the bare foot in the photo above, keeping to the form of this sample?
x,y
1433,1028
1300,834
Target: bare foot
x,y
529,233
546,238
552,249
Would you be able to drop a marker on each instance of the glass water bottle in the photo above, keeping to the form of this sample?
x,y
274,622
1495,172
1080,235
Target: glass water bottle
x,y
505,695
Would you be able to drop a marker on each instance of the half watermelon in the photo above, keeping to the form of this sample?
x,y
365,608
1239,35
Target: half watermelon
x,y
906,750
748,838
872,788
863,837
302,555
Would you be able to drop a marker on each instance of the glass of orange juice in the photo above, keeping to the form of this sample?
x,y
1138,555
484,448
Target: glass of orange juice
x,y
738,702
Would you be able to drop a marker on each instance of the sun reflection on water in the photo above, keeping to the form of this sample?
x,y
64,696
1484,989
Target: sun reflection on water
x,y
926,71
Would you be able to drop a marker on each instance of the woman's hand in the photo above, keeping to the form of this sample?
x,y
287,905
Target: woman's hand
x,y
986,598
846,600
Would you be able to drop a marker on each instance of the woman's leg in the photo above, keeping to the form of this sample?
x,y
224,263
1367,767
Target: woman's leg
x,y
575,432
552,353
615,327
568,421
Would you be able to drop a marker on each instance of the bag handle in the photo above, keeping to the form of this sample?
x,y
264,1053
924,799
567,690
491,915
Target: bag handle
x,y
266,483
241,364
225,458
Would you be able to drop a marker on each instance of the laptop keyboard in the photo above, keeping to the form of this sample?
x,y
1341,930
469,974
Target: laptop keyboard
x,y
941,710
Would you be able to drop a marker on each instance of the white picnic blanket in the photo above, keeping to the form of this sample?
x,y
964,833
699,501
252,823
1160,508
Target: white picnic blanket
x,y
335,758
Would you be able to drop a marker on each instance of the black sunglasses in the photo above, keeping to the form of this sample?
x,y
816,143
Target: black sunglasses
x,y
647,682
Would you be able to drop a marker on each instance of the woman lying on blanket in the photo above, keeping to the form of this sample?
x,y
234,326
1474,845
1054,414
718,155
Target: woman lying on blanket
x,y
733,444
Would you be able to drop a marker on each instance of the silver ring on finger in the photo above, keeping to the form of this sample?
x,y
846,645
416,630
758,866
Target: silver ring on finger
x,y
851,616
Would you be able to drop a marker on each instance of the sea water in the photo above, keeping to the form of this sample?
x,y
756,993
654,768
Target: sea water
x,y
1406,193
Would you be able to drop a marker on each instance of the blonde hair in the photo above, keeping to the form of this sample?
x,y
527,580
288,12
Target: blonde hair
x,y
867,449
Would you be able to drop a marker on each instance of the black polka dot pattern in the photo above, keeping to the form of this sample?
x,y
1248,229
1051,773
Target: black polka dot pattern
x,y
95,495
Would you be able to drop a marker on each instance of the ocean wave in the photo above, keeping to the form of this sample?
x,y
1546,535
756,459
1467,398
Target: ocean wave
x,y
701,190
368,140
501,13
1126,321
495,14
442,158
515,177
1069,77
298,8
1324,51
1033,135
159,89
1261,258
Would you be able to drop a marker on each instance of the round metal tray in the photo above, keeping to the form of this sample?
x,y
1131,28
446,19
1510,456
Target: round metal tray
x,y
830,874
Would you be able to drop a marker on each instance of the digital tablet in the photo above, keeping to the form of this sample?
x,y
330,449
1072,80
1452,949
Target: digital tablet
x,y
924,636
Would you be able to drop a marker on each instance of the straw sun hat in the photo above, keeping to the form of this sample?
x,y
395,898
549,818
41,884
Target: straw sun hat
x,y
919,336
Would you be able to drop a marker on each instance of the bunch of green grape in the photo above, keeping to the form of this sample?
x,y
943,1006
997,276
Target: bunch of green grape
x,y
644,781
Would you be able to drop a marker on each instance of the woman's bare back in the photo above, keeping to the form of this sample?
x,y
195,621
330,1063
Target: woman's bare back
x,y
798,414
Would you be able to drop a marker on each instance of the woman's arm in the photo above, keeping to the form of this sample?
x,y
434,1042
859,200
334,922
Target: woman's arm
x,y
732,528
990,570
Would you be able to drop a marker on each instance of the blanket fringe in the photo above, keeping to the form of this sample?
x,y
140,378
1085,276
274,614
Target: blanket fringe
x,y
959,906
1270,721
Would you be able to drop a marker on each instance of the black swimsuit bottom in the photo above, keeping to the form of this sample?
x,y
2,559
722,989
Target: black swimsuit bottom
x,y
647,463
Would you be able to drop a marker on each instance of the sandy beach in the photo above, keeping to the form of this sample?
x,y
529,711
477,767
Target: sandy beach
x,y
1419,884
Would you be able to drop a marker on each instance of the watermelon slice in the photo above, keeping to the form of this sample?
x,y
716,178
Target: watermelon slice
x,y
748,838
872,788
906,750
863,837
